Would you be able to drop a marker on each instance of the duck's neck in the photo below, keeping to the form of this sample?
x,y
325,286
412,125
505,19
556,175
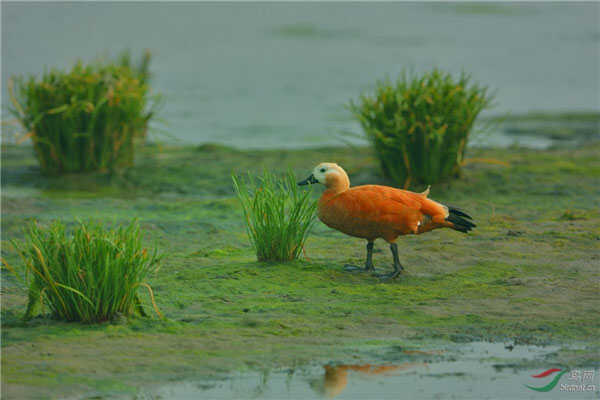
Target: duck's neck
x,y
336,185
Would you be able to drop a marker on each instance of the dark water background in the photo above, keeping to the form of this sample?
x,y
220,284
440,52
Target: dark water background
x,y
278,75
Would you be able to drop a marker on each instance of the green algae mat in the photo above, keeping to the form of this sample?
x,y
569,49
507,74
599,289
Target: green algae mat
x,y
527,275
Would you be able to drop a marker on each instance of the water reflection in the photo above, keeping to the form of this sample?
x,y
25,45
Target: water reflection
x,y
335,379
477,370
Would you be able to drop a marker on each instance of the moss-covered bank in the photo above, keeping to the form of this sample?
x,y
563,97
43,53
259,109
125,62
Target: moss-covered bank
x,y
528,273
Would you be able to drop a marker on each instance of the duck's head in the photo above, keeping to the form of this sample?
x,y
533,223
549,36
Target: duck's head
x,y
329,174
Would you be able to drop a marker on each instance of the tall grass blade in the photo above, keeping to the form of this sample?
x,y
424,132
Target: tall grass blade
x,y
87,274
88,118
419,126
278,217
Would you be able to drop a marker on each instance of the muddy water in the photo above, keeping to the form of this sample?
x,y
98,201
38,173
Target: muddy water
x,y
476,371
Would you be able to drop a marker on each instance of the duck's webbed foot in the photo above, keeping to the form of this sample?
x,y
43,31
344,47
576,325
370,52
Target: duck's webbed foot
x,y
390,276
368,264
398,268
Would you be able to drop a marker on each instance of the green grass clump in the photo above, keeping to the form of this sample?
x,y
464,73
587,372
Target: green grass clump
x,y
85,119
419,126
90,274
278,215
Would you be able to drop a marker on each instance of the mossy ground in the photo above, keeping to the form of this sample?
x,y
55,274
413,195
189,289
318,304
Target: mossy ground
x,y
528,273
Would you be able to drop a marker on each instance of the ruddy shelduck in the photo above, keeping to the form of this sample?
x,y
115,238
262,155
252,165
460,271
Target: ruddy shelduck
x,y
372,211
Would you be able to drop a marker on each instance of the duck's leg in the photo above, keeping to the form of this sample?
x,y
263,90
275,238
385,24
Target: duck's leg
x,y
398,268
368,264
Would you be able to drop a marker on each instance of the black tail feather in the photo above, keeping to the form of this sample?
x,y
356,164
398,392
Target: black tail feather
x,y
459,212
460,220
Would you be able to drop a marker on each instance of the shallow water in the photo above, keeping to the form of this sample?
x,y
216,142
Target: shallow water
x,y
264,75
479,370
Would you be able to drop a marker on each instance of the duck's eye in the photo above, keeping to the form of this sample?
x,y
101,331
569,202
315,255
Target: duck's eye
x,y
322,169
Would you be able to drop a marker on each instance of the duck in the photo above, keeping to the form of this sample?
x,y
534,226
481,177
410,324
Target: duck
x,y
373,211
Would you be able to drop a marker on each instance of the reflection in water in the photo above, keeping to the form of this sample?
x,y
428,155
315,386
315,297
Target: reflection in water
x,y
335,379
479,369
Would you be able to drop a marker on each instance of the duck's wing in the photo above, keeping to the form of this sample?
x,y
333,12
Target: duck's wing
x,y
408,209
403,197
419,201
374,199
375,209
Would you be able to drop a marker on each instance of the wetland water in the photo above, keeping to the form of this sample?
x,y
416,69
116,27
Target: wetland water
x,y
478,370
278,75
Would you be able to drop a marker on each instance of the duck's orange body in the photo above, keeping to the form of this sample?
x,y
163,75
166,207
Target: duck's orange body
x,y
371,211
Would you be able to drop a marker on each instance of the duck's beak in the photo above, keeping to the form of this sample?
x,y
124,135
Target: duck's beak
x,y
310,180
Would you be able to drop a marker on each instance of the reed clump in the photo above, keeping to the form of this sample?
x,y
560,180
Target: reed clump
x,y
278,215
87,274
88,118
419,126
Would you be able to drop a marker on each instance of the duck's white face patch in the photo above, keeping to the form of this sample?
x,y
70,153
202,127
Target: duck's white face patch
x,y
324,169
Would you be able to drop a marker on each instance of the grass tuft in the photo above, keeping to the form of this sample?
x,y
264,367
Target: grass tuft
x,y
420,126
278,215
91,274
85,119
